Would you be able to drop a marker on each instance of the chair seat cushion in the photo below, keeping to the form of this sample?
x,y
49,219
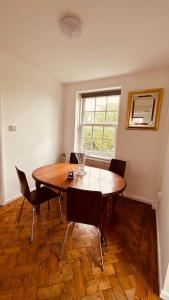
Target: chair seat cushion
x,y
42,195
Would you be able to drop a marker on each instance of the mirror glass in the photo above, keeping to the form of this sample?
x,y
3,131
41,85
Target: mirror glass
x,y
144,109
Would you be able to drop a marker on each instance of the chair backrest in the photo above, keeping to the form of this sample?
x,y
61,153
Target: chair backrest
x,y
24,187
77,158
73,158
118,166
84,206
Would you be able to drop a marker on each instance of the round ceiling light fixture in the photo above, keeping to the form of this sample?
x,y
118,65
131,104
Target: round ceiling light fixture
x,y
71,26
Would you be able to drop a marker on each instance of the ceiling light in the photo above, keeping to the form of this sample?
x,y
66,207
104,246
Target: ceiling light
x,y
71,26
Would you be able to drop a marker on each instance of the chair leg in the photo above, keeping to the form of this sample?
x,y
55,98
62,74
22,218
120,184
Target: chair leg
x,y
109,205
101,252
19,216
123,199
103,239
33,221
60,208
65,237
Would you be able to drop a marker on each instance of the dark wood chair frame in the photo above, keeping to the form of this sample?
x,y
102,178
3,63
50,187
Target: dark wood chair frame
x,y
74,157
36,198
87,207
117,166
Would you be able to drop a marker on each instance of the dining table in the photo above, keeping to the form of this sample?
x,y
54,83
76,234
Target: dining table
x,y
93,179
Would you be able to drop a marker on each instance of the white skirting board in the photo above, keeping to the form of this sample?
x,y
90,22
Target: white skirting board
x,y
164,295
11,199
137,198
159,255
15,198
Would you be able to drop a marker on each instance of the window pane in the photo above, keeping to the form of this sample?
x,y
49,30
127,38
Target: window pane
x,y
100,117
111,117
108,146
98,132
97,145
89,104
86,143
113,103
100,103
88,117
87,131
109,133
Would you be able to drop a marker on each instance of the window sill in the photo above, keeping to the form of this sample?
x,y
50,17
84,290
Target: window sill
x,y
101,158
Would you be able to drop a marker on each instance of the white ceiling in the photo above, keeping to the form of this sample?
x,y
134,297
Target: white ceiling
x,y
118,37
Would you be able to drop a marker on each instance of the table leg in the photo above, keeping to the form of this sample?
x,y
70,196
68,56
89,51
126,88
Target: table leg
x,y
114,200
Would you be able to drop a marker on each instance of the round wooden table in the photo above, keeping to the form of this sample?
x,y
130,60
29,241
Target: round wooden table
x,y
95,179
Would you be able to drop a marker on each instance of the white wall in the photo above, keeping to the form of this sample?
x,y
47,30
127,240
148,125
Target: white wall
x,y
166,284
34,103
162,213
141,149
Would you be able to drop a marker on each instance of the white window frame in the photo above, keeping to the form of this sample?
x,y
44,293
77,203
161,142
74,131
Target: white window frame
x,y
90,153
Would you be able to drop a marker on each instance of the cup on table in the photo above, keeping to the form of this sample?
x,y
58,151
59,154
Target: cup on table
x,y
81,161
70,174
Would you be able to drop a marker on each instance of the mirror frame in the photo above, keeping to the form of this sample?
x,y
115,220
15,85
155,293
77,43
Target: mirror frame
x,y
131,96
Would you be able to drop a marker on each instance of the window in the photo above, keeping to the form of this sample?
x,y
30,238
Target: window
x,y
99,120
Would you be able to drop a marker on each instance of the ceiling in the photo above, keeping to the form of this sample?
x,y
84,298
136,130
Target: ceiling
x,y
118,36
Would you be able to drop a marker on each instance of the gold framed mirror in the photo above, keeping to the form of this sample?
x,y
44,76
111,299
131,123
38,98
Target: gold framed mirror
x,y
144,108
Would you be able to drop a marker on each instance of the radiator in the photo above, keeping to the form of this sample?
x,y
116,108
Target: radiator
x,y
91,162
97,163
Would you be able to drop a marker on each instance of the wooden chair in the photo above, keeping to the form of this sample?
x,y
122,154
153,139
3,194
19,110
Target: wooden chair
x,y
117,166
77,157
86,207
73,158
35,198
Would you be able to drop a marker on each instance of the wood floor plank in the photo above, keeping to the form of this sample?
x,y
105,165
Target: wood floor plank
x,y
50,291
33,270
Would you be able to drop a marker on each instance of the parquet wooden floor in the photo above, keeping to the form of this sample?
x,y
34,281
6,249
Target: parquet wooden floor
x,y
32,271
